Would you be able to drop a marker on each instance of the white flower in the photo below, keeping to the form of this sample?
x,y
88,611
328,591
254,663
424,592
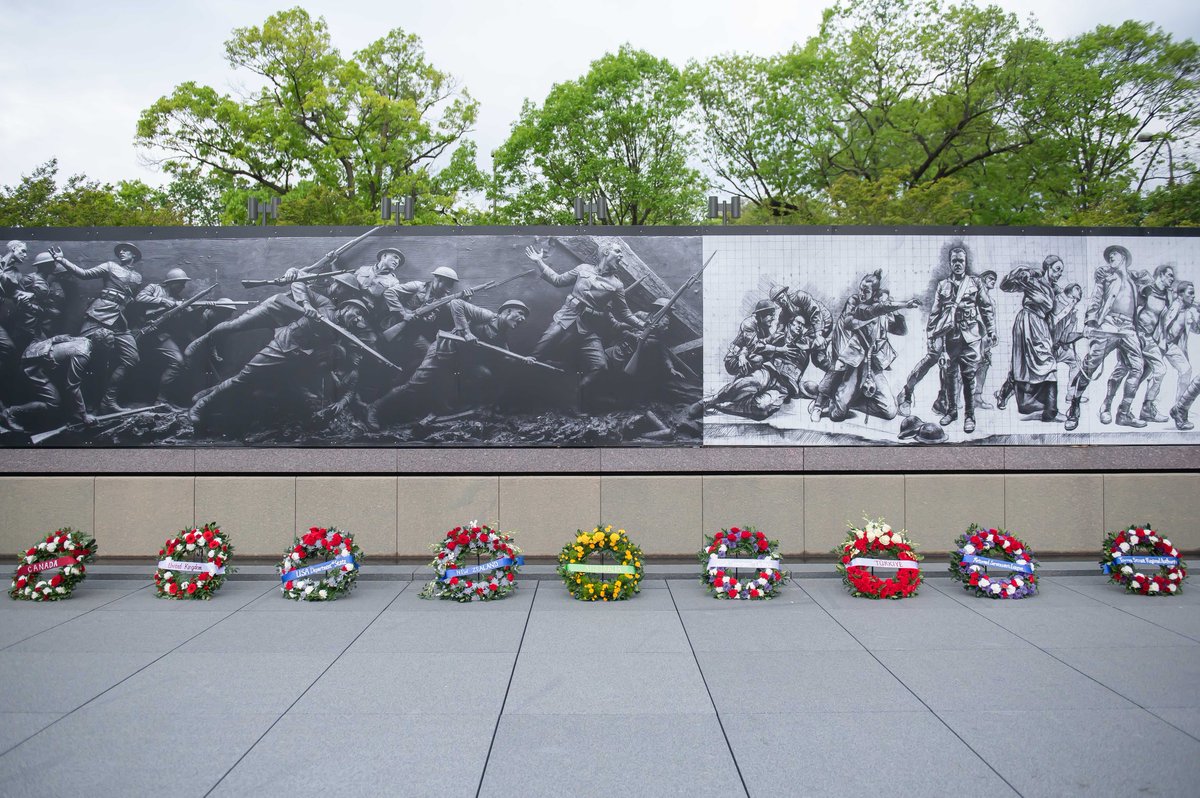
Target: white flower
x,y
60,589
216,541
308,590
30,558
1173,575
191,547
984,581
968,549
1153,587
1172,588
1124,547
1125,569
51,546
995,588
296,556
872,533
167,574
1133,539
323,593
212,553
858,533
184,586
1017,581
1166,543
887,528
1010,590
885,540
349,566
28,590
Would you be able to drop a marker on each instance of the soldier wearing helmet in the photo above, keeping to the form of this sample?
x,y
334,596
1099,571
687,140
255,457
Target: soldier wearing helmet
x,y
431,385
169,340
40,307
121,282
55,368
412,335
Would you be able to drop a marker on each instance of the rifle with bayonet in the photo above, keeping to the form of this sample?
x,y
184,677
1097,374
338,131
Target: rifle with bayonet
x,y
632,366
169,312
224,303
41,436
358,342
328,259
391,332
500,350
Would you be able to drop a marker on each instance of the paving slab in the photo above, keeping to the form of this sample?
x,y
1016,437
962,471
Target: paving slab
x,y
854,754
38,682
934,628
231,596
378,754
88,595
805,627
1186,720
17,726
803,681
1021,678
630,631
1069,627
1051,593
659,755
16,625
129,751
833,595
365,597
281,633
617,683
1084,752
409,683
437,632
119,632
1160,677
217,685
1099,588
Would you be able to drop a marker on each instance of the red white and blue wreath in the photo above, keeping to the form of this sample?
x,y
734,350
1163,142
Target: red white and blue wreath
x,y
492,575
1136,546
980,549
321,565
729,553
193,563
64,551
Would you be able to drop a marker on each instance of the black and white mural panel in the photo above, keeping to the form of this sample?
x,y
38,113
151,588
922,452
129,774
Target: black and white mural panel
x,y
933,339
375,338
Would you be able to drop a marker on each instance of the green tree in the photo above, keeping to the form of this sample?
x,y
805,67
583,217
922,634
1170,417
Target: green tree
x,y
39,201
382,122
618,132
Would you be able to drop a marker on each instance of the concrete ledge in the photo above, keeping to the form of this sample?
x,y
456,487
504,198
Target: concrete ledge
x,y
533,460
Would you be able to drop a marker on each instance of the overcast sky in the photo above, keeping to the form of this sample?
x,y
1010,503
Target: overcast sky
x,y
74,76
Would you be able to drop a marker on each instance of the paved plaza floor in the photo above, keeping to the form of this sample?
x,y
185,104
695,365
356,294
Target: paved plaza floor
x,y
1082,690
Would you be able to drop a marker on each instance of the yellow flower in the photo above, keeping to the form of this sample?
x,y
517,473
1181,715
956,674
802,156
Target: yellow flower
x,y
621,532
607,528
637,563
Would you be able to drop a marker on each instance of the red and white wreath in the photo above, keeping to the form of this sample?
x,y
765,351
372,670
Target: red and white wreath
x,y
459,578
877,545
334,573
1137,546
50,569
729,553
193,564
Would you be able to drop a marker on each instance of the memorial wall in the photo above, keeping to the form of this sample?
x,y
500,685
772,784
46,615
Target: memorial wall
x,y
792,372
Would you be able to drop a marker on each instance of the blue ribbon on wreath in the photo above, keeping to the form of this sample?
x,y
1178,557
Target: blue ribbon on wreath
x,y
503,562
1138,559
988,562
316,568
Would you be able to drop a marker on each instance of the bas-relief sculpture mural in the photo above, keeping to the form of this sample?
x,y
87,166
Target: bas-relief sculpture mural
x,y
387,338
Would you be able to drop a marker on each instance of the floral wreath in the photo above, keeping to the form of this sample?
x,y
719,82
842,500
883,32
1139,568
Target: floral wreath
x,y
482,581
855,562
1141,545
579,574
737,549
65,550
979,549
335,573
193,564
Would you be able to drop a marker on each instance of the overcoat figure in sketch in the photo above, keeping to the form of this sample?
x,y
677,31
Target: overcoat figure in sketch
x,y
1108,322
1033,375
862,352
963,315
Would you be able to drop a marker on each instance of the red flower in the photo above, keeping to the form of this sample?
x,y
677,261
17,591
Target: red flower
x,y
21,581
288,585
763,545
191,588
298,549
336,539
454,580
509,576
493,587
172,588
860,544
718,536
974,580
745,535
463,539
733,530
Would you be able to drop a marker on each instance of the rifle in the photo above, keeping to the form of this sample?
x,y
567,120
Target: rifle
x,y
358,342
328,259
632,366
501,350
391,332
182,306
41,436
225,303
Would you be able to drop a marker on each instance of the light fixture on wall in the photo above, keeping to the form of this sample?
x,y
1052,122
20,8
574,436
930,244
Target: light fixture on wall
x,y
725,209
589,212
400,208
257,211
